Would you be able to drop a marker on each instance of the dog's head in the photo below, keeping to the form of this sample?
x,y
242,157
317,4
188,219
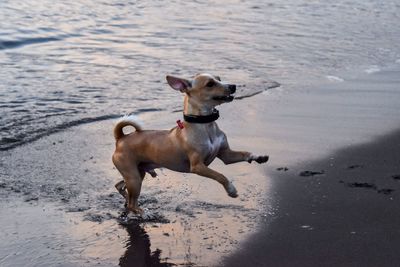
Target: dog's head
x,y
204,88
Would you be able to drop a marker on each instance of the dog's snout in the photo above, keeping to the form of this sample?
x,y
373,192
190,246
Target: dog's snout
x,y
232,88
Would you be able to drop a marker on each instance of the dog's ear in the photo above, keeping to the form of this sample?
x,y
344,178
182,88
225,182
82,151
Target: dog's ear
x,y
178,83
217,77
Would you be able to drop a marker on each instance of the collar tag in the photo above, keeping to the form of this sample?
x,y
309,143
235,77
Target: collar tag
x,y
180,124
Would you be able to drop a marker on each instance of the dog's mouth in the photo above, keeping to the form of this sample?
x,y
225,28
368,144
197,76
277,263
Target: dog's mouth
x,y
230,89
224,98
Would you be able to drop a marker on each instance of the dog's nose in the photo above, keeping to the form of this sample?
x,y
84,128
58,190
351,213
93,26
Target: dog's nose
x,y
232,88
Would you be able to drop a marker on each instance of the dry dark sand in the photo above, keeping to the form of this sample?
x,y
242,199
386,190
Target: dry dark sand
x,y
347,216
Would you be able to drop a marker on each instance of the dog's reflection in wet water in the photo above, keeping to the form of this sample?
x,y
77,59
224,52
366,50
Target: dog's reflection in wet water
x,y
138,252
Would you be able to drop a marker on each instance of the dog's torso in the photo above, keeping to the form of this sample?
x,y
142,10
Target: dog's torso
x,y
206,139
150,147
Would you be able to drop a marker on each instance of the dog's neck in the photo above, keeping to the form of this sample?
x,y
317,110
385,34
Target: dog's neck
x,y
192,107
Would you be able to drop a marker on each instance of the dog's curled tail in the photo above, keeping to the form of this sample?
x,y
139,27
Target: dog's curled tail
x,y
126,121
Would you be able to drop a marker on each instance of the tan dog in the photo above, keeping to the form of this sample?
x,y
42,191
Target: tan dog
x,y
189,147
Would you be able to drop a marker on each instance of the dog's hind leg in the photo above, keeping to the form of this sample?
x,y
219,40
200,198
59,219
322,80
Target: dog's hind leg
x,y
133,182
152,173
120,186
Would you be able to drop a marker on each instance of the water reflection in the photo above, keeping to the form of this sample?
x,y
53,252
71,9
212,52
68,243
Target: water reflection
x,y
138,251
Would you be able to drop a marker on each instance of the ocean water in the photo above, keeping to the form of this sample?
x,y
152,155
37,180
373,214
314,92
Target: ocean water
x,y
69,62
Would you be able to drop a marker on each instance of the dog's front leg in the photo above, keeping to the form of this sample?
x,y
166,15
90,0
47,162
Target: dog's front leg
x,y
198,167
229,156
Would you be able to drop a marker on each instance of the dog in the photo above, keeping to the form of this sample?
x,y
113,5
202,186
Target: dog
x,y
189,147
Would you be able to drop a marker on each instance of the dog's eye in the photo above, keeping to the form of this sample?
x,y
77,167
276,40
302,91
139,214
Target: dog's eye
x,y
210,84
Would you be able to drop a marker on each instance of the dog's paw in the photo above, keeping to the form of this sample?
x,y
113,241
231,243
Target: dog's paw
x,y
138,211
231,190
262,159
258,159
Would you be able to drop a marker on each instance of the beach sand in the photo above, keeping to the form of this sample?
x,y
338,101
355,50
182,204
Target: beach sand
x,y
342,210
59,206
334,207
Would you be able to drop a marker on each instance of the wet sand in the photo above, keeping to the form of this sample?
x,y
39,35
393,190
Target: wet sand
x,y
60,207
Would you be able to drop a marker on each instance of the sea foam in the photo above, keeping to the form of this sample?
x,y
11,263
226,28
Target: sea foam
x,y
334,78
372,69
